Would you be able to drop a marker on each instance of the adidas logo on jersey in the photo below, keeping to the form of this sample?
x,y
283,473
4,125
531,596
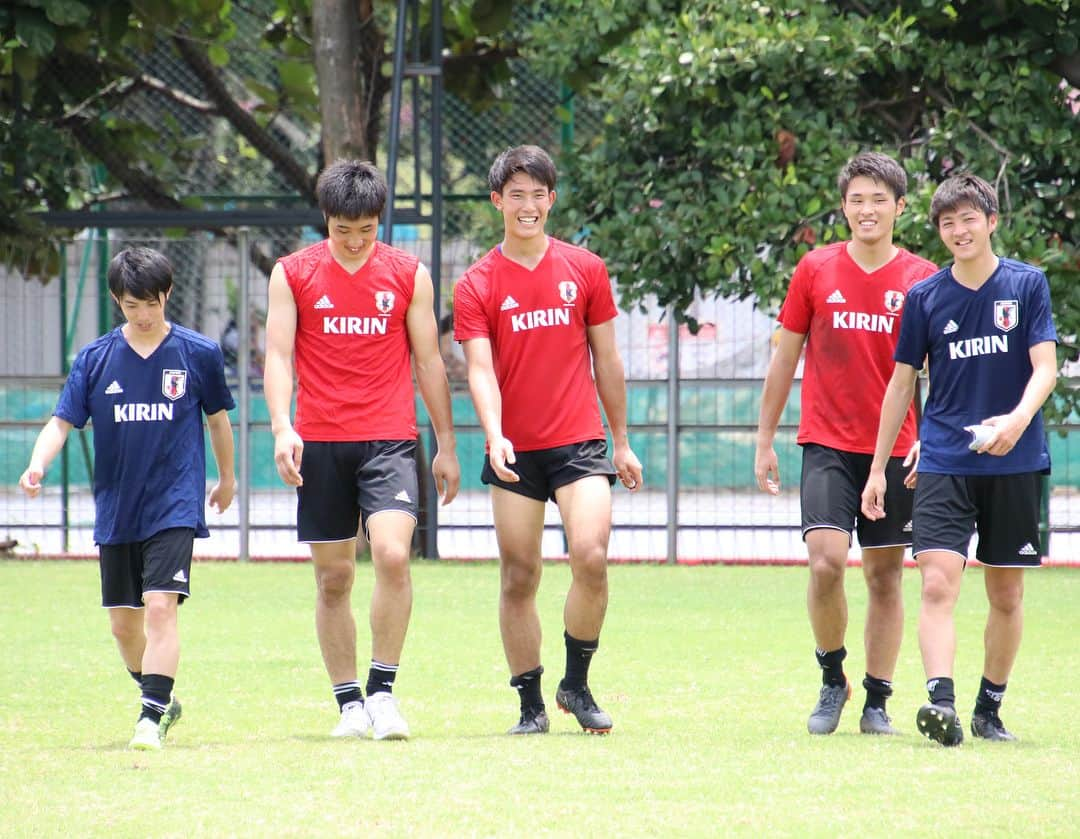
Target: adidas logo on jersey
x,y
1028,550
324,303
835,297
508,303
403,496
950,328
114,388
180,576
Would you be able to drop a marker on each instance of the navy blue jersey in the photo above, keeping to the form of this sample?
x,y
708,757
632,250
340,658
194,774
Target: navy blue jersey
x,y
977,344
146,413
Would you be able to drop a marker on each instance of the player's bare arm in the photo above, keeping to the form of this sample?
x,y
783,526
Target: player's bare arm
x,y
47,446
221,444
484,388
1011,426
431,380
774,396
611,387
278,377
894,407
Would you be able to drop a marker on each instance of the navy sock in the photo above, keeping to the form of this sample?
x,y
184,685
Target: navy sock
x,y
136,675
877,691
381,677
578,656
528,688
156,695
832,666
989,699
942,691
347,692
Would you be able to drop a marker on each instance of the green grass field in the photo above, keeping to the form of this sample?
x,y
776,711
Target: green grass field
x,y
708,673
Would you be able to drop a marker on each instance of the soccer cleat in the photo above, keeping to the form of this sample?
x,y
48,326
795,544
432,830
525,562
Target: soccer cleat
x,y
940,723
826,714
354,721
581,704
876,721
147,738
386,720
170,718
988,726
532,722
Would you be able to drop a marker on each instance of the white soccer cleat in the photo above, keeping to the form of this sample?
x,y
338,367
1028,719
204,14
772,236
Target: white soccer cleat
x,y
147,738
354,721
386,720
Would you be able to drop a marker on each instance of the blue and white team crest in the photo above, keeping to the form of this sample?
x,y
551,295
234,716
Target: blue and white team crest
x,y
1006,314
174,383
384,302
568,291
894,301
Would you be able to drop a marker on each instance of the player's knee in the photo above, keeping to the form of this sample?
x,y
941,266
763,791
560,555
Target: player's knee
x,y
334,583
827,570
938,589
391,562
160,613
884,583
1007,600
125,632
519,580
589,565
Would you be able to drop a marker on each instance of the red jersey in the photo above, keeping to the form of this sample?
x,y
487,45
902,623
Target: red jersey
x,y
852,322
352,354
537,323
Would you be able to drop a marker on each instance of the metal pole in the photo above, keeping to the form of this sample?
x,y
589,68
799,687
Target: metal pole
x,y
672,437
431,538
393,136
243,418
65,462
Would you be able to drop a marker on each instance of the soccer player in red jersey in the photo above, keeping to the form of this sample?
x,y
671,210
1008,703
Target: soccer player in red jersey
x,y
355,315
536,316
844,305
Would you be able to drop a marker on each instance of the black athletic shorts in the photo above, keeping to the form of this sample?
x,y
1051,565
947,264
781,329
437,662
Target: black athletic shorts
x,y
345,482
830,493
543,471
160,563
1003,508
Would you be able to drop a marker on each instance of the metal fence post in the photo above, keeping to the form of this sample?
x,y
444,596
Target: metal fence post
x,y
672,437
243,418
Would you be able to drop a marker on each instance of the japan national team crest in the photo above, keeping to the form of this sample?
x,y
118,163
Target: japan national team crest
x,y
174,383
384,302
1006,314
894,301
568,291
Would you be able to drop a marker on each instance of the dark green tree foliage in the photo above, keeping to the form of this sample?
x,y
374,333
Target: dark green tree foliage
x,y
727,122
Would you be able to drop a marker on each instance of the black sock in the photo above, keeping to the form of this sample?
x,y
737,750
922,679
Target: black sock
x,y
528,688
136,675
156,695
380,677
347,692
942,691
832,666
877,691
578,656
989,699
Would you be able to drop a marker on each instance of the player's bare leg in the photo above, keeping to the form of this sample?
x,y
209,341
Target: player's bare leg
x,y
941,574
827,550
1004,629
519,528
335,569
883,571
161,656
127,627
585,506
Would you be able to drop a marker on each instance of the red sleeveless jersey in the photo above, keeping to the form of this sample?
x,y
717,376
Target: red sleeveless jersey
x,y
851,320
352,354
537,323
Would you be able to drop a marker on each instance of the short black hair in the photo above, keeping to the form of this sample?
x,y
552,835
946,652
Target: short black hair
x,y
876,166
960,190
532,160
144,273
351,189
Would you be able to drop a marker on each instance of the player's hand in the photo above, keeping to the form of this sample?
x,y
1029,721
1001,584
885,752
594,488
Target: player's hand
x,y
30,481
912,460
767,470
501,455
873,496
628,467
288,452
221,496
1008,429
447,473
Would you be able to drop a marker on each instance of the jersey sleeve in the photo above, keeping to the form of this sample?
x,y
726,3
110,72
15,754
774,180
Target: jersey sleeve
x,y
217,396
73,405
797,311
913,343
601,304
470,320
1041,316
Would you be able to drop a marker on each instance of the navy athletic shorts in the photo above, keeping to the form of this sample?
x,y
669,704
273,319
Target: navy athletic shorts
x,y
160,563
543,471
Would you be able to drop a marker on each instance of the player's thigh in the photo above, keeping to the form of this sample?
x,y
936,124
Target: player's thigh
x,y
390,534
121,576
585,508
829,490
519,525
1008,520
167,562
328,506
895,529
334,564
386,482
944,514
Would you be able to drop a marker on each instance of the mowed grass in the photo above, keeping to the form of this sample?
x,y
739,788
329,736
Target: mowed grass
x,y
707,671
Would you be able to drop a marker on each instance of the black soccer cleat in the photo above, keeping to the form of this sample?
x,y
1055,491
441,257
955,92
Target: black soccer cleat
x,y
940,723
532,721
580,703
988,726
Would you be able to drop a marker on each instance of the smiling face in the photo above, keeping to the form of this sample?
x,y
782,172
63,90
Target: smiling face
x,y
524,203
351,239
146,318
871,210
965,231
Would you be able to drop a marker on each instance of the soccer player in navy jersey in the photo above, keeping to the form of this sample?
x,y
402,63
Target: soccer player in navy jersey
x,y
145,387
984,325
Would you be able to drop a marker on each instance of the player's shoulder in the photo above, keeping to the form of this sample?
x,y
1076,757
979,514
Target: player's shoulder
x,y
304,262
575,253
917,264
822,257
929,286
395,258
195,341
478,276
1022,272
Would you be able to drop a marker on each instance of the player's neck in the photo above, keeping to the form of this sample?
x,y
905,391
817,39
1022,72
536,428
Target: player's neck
x,y
527,252
871,256
144,343
972,273
351,263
